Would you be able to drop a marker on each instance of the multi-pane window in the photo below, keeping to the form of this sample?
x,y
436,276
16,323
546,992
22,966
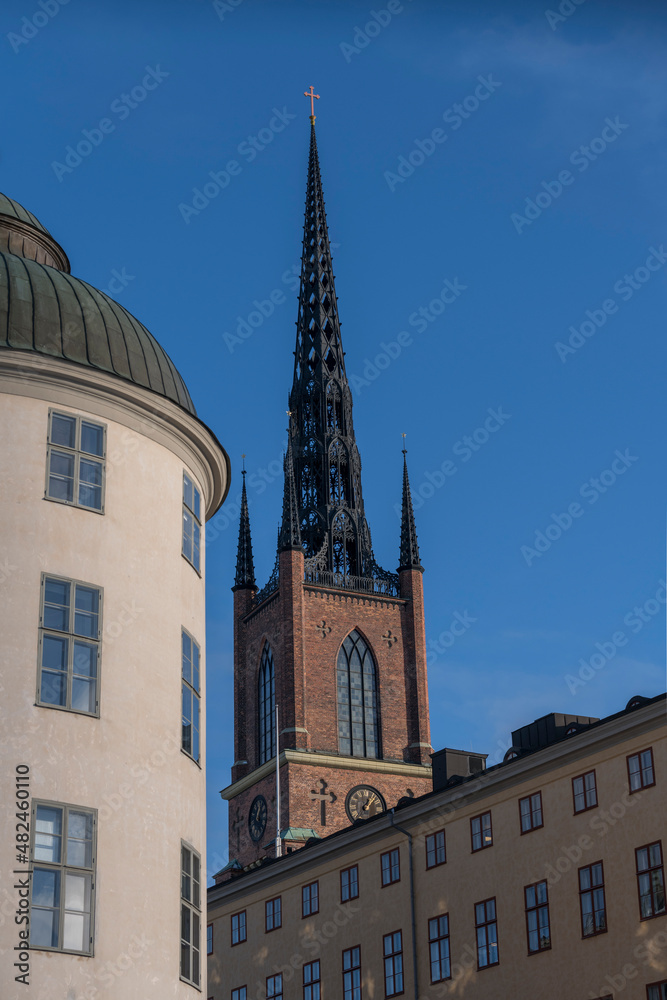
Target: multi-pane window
x,y
486,930
435,849
584,792
274,987
358,733
530,812
537,917
190,916
240,993
63,880
349,883
69,645
481,834
438,944
591,900
273,913
390,866
209,939
239,931
656,991
190,695
266,701
393,964
310,899
311,981
191,521
640,770
75,461
650,880
352,974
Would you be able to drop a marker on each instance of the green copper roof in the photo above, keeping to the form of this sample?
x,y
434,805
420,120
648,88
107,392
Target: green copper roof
x,y
50,312
12,208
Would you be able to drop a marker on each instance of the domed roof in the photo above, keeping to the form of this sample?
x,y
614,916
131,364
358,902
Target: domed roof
x,y
12,208
45,309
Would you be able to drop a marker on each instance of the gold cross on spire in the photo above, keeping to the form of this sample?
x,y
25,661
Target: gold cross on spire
x,y
313,97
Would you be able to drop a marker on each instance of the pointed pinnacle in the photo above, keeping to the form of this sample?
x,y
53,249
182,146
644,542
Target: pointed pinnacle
x,y
409,556
290,534
245,570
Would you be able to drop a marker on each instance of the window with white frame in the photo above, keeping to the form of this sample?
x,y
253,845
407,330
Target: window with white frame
x,y
191,521
190,916
69,645
190,695
63,879
75,461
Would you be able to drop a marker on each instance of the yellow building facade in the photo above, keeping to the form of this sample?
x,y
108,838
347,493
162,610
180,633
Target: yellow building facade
x,y
542,877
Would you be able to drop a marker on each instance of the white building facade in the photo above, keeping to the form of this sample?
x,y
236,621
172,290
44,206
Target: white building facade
x,y
107,477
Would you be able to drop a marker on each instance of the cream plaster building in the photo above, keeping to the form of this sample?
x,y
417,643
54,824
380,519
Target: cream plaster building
x,y
107,477
542,876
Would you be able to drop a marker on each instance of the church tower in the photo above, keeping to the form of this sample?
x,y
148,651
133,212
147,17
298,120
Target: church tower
x,y
334,640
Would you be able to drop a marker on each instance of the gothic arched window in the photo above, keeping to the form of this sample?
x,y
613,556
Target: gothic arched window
x,y
358,733
266,702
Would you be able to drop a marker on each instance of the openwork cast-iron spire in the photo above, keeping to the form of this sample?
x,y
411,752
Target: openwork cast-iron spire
x,y
290,536
245,570
409,557
327,467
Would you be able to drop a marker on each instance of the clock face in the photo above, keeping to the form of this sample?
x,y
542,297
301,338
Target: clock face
x,y
257,818
363,802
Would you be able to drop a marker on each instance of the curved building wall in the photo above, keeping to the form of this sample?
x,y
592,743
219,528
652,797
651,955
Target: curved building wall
x,y
128,763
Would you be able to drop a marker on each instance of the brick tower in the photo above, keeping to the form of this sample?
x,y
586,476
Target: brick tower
x,y
334,639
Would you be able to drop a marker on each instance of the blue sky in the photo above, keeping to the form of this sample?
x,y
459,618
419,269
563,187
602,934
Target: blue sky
x,y
541,200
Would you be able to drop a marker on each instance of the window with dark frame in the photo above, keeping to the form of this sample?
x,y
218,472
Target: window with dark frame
x,y
239,931
537,917
481,833
266,702
310,899
62,903
393,963
352,974
530,812
240,993
349,884
584,792
311,980
209,939
191,547
274,987
438,943
435,849
640,770
190,695
656,991
274,914
486,931
358,728
591,900
75,461
70,633
390,866
650,881
190,915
